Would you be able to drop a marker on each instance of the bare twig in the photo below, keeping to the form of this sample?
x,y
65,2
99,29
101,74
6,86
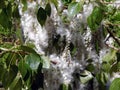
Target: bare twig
x,y
112,35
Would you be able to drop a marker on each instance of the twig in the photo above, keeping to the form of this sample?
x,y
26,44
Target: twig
x,y
112,35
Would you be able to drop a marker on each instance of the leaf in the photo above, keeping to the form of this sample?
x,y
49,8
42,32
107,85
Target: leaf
x,y
110,56
2,70
33,60
106,66
74,8
114,68
95,18
90,67
4,20
18,85
116,16
48,9
24,2
66,1
15,12
108,0
85,76
23,68
9,10
41,16
11,59
9,76
27,49
115,85
102,78
46,62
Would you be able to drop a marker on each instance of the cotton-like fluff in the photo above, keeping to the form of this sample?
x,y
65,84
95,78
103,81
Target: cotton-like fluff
x,y
32,29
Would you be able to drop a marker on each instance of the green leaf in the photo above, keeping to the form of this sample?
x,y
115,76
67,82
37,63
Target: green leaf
x,y
27,49
85,76
102,78
33,60
9,10
110,56
90,67
115,85
116,16
9,76
114,68
11,59
4,20
18,85
108,0
15,11
66,1
24,2
95,18
23,67
106,66
74,8
2,70
48,9
41,16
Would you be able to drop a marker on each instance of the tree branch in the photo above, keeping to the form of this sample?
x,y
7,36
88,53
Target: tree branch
x,y
112,35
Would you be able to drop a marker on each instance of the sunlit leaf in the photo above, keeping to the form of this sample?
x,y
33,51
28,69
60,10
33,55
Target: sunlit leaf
x,y
115,85
110,56
85,76
74,8
41,16
33,61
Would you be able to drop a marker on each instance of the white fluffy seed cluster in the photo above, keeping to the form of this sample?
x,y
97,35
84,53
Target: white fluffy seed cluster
x,y
62,66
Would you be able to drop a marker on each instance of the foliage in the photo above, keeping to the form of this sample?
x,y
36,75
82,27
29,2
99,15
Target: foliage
x,y
20,64
115,84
